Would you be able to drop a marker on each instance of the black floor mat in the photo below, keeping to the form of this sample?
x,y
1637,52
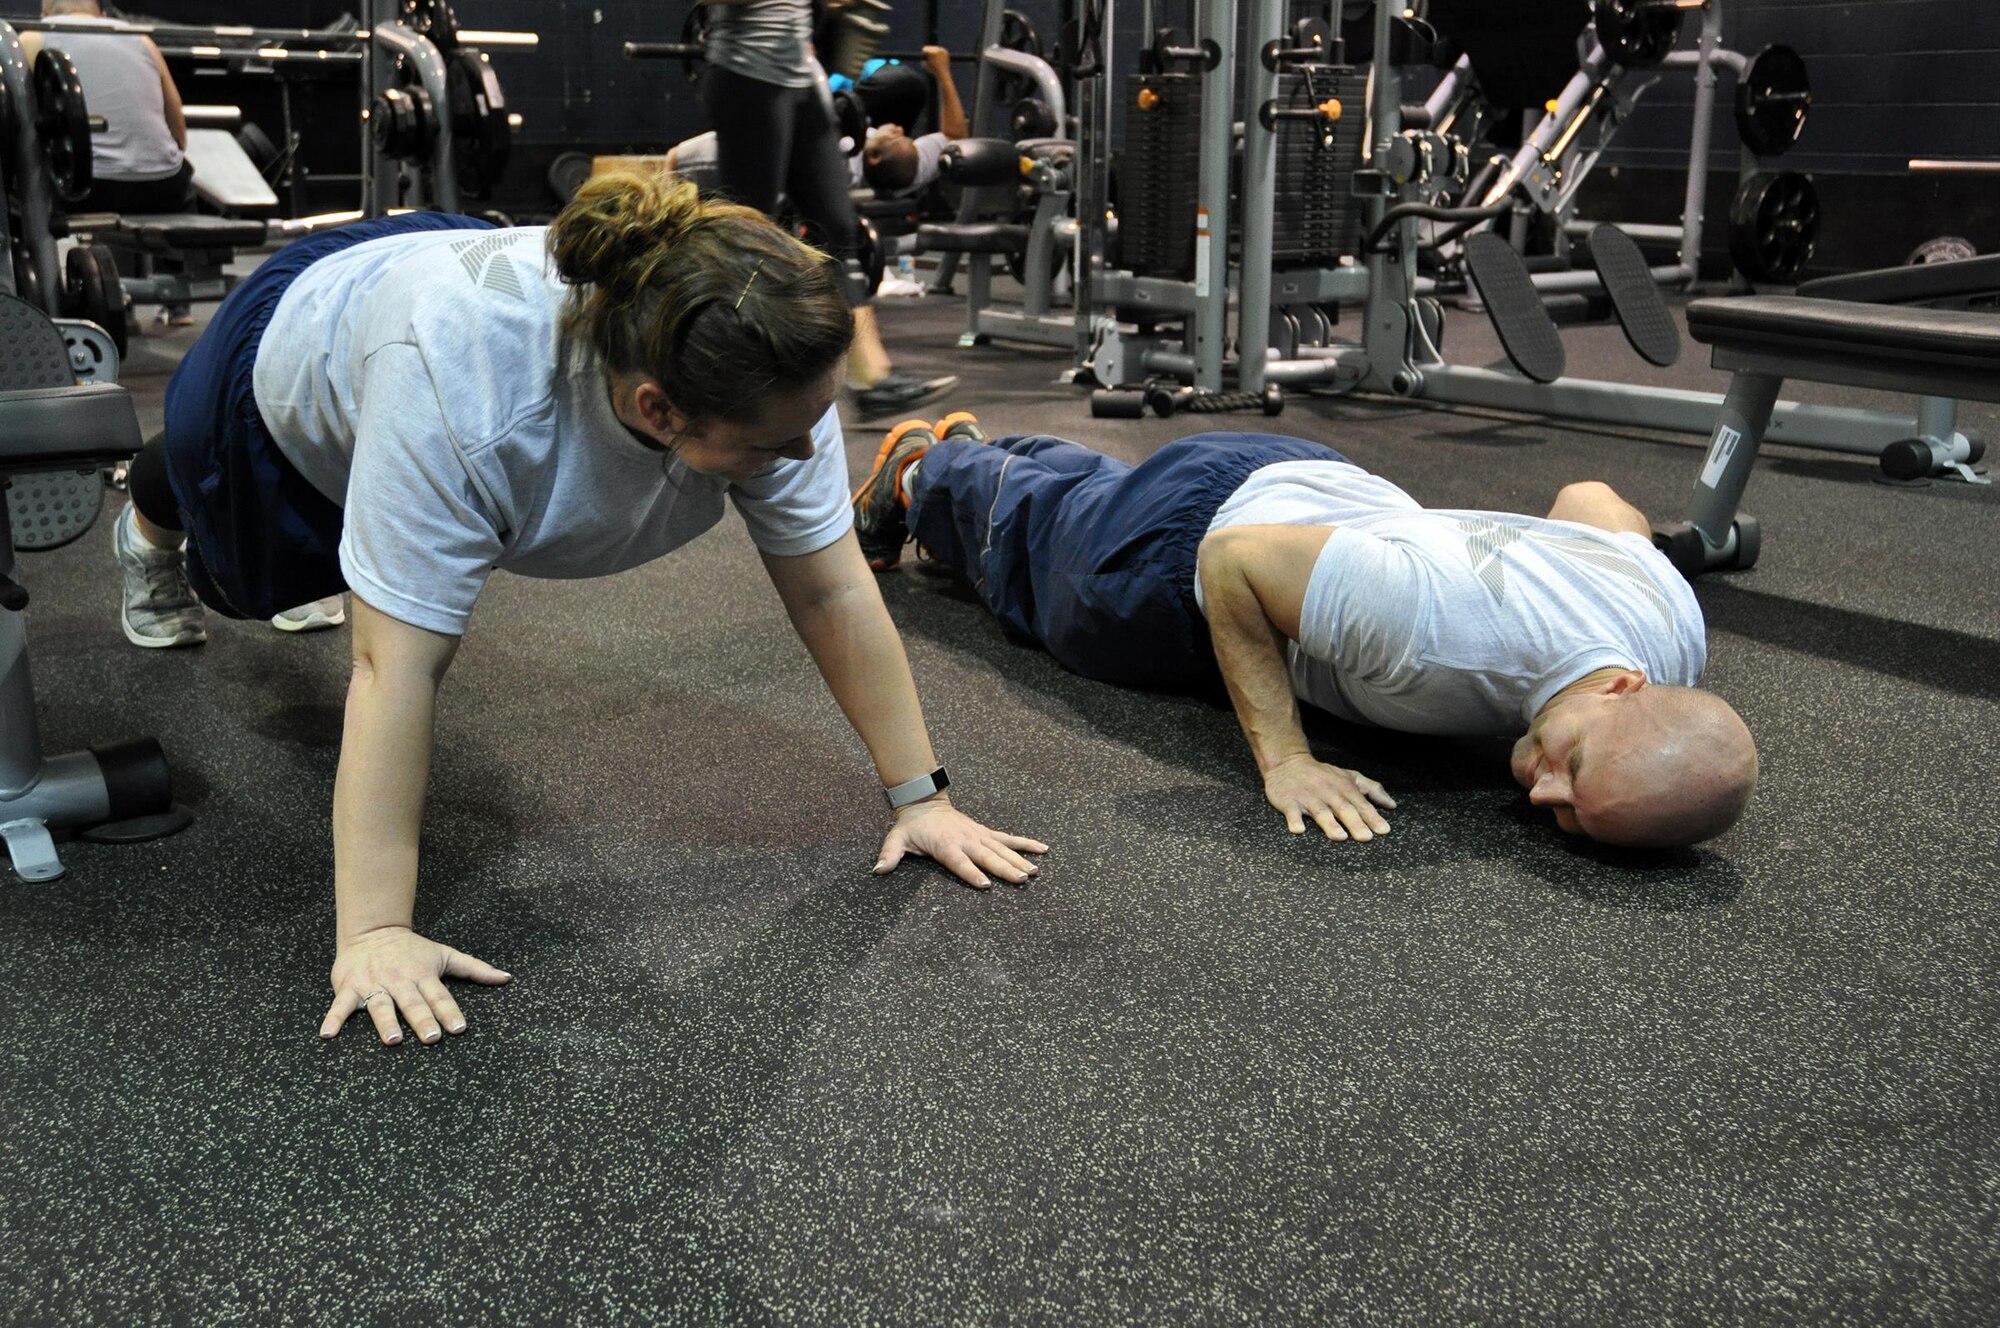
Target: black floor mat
x,y
1199,1072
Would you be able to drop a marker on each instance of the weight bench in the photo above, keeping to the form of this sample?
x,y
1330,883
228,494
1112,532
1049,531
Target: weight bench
x,y
48,422
1971,283
1942,354
171,258
178,258
1968,284
1033,250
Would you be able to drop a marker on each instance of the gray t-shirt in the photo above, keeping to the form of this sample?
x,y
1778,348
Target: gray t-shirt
x,y
768,40
419,381
1463,622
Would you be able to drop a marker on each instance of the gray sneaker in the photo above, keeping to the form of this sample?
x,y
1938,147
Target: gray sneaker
x,y
313,617
160,608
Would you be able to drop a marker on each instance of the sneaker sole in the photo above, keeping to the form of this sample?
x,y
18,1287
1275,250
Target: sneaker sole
x,y
908,403
192,637
948,427
887,562
319,622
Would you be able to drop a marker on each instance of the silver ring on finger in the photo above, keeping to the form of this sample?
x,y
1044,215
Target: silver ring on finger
x,y
379,991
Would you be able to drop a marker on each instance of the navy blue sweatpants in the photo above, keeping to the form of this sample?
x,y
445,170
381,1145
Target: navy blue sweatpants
x,y
1089,557
260,538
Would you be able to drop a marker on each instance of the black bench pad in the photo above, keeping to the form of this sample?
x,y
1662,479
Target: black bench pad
x,y
973,237
1918,284
1874,334
164,232
54,428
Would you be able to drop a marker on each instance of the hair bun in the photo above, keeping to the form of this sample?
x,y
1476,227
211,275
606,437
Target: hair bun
x,y
618,224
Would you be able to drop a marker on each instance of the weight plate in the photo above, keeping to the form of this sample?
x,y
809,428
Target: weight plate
x,y
1017,33
694,32
869,241
481,137
1943,249
1774,226
850,119
91,291
567,173
432,19
6,132
28,278
257,146
1772,98
62,122
1032,118
1634,33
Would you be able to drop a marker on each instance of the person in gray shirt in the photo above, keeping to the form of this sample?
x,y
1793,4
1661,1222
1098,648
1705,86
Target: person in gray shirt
x,y
1275,568
641,366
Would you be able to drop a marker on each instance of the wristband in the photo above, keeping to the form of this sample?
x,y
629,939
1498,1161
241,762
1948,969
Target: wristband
x,y
916,790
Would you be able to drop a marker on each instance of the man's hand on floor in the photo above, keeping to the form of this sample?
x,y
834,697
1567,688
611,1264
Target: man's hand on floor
x,y
1340,802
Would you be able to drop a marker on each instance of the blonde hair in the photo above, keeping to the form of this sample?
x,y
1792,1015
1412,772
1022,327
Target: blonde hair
x,y
710,299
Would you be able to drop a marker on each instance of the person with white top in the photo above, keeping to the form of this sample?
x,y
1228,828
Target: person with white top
x,y
1274,567
403,407
139,163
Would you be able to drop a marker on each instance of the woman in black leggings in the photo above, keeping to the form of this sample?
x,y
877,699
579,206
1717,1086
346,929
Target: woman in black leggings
x,y
765,97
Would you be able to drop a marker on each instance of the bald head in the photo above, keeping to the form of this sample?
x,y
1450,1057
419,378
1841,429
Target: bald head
x,y
1628,762
1664,766
51,8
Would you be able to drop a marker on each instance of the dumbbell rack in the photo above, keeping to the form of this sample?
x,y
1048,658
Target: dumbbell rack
x,y
437,125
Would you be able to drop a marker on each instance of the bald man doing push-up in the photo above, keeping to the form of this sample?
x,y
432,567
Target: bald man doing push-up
x,y
1281,569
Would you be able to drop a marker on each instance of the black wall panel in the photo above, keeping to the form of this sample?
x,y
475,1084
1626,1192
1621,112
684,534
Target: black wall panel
x,y
1891,79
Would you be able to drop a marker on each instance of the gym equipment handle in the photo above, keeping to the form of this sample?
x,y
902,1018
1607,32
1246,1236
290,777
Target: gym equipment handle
x,y
1270,113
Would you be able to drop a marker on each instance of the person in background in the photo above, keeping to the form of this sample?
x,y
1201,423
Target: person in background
x,y
892,162
139,163
766,98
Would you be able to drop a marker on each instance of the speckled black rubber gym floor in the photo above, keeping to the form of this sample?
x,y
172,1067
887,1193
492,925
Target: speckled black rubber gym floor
x,y
1198,1072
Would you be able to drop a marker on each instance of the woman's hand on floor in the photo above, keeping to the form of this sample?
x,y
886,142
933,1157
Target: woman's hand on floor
x,y
959,844
1337,799
393,969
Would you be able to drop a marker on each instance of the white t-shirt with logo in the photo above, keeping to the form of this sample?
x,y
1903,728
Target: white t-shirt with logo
x,y
1461,622
419,381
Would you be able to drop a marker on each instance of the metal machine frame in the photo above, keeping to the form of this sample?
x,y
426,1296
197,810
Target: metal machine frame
x,y
1396,354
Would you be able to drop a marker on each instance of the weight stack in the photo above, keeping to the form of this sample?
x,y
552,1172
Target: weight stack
x,y
1316,218
1159,175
